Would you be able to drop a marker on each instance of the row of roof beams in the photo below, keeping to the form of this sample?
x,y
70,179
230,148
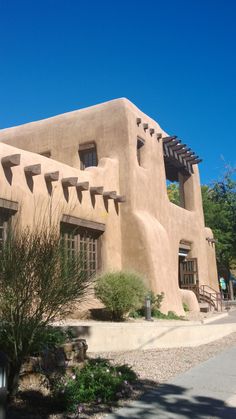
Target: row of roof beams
x,y
173,148
35,170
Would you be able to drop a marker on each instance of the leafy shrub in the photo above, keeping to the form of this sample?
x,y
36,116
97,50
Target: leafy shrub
x,y
97,382
120,292
48,338
171,315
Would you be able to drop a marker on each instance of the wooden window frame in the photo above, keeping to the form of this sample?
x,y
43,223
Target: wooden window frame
x,y
84,236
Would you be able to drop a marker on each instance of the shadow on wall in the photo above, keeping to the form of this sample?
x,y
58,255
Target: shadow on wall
x,y
171,401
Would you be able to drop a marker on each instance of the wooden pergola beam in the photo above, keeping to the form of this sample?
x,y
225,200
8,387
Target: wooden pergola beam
x,y
183,151
11,160
197,161
169,139
190,158
68,182
52,176
178,147
172,143
33,170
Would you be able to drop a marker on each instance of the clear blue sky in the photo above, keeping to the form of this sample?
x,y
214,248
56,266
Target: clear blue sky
x,y
175,59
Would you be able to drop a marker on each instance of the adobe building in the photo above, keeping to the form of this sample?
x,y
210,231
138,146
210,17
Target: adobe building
x,y
101,174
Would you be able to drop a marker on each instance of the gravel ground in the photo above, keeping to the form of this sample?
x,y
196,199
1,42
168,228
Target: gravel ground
x,y
158,365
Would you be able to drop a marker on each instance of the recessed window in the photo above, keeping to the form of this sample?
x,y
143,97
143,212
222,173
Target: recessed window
x,y
140,144
174,182
88,155
83,242
5,218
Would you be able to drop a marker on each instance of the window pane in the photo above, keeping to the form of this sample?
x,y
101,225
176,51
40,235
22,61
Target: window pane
x,y
88,158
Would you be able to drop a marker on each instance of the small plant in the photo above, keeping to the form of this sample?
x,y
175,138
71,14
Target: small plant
x,y
48,338
97,382
156,301
120,292
171,315
185,307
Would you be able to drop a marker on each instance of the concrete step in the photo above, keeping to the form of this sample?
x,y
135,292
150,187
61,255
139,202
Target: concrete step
x,y
204,307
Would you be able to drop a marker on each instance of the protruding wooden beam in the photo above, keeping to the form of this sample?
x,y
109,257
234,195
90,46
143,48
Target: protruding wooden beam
x,y
183,151
151,130
120,198
51,176
33,170
171,143
196,161
169,139
67,182
191,158
145,126
159,136
96,190
110,195
11,161
138,121
82,186
178,147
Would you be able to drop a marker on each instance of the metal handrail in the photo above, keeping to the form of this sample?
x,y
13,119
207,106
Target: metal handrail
x,y
214,296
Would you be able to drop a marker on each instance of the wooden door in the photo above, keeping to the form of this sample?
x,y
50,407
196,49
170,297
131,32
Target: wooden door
x,y
189,273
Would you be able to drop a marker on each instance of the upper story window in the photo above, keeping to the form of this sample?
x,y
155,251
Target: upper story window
x,y
82,239
88,155
140,144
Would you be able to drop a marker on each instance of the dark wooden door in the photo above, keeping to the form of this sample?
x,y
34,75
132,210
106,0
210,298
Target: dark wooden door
x,y
189,273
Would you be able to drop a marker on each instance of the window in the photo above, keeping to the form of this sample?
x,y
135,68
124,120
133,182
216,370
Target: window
x,y
83,242
87,155
140,144
4,225
175,183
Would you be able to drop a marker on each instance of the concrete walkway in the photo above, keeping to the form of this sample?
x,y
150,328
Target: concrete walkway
x,y
231,318
205,391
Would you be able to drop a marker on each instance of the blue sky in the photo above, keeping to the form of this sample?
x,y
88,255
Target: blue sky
x,y
175,59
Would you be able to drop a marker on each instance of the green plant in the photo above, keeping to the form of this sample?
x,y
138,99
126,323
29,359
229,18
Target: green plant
x,y
185,307
171,315
38,283
97,382
156,301
120,292
49,337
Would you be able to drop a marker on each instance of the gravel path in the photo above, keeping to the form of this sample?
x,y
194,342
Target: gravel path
x,y
159,365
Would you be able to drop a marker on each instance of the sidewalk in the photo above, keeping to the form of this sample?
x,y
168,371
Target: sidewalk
x,y
206,391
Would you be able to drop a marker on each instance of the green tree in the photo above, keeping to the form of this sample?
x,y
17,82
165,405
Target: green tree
x,y
173,193
39,283
219,205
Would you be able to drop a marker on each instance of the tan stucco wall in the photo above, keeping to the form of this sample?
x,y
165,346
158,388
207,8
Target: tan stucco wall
x,y
145,232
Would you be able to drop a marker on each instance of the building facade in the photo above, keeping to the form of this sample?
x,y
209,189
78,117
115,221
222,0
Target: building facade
x,y
100,173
